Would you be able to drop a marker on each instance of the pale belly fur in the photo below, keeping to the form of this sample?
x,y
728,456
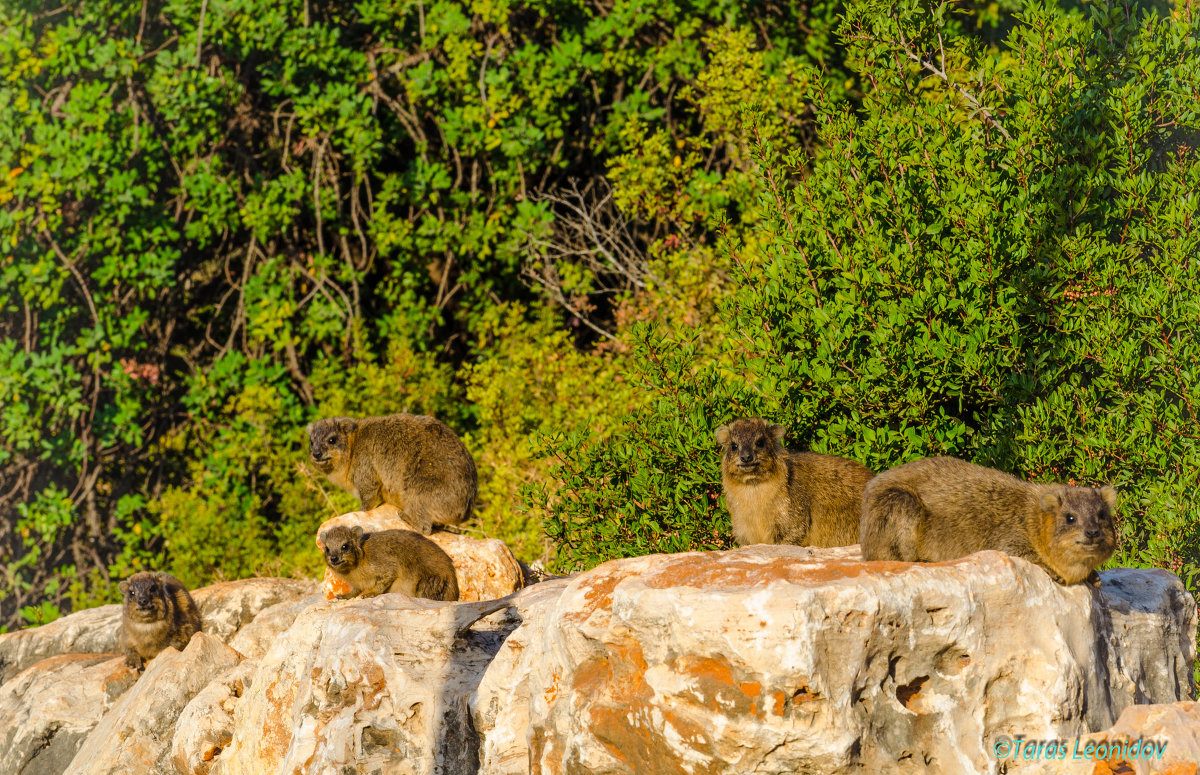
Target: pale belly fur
x,y
756,510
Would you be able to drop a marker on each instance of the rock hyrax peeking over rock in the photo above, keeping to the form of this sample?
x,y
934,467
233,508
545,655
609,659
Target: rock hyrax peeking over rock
x,y
942,508
780,497
413,462
390,561
157,612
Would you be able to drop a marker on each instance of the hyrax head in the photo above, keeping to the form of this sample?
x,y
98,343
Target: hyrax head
x,y
1080,523
343,547
750,446
145,596
329,441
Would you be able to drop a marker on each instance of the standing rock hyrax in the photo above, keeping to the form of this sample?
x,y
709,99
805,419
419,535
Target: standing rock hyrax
x,y
413,462
157,612
390,561
942,508
780,497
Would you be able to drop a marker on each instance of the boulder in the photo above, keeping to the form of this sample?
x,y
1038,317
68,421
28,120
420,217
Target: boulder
x,y
256,638
366,686
500,706
486,568
230,605
224,608
136,735
205,727
788,659
48,709
93,631
1146,739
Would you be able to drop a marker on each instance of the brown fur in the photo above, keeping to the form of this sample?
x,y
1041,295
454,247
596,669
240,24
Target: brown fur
x,y
413,462
158,612
943,508
390,561
780,497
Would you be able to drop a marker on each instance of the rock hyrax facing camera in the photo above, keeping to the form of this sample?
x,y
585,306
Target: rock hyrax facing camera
x,y
780,497
413,462
390,561
942,508
157,612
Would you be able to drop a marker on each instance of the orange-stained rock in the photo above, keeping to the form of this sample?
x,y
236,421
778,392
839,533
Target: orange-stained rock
x,y
784,659
374,685
224,609
135,735
50,707
486,567
1160,739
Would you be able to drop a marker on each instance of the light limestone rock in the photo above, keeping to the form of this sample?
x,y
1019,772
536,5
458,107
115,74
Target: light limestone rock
x,y
230,605
205,728
486,568
786,659
1146,739
367,686
94,631
224,609
255,638
135,736
500,707
49,708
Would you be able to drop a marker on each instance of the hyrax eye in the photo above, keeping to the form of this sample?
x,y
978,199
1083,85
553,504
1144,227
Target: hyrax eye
x,y
761,441
733,446
345,547
1070,518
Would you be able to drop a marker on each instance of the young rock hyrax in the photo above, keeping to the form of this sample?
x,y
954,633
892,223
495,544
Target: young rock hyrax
x,y
157,612
413,462
390,561
780,497
942,508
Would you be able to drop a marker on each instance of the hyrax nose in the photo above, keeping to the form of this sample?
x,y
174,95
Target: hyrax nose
x,y
746,457
1093,532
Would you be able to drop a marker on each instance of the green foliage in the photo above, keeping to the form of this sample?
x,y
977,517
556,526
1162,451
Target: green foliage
x,y
222,220
992,256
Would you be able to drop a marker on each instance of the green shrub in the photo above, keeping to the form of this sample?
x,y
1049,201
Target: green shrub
x,y
993,256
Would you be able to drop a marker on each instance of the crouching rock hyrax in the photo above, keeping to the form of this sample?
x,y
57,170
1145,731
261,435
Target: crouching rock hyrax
x,y
942,508
157,612
780,497
390,561
413,462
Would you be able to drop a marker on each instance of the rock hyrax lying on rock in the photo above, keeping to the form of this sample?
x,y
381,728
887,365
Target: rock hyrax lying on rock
x,y
413,462
942,508
390,561
780,497
157,612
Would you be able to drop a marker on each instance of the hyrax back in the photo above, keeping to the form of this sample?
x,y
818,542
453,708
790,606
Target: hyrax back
x,y
413,462
781,497
942,508
390,561
157,612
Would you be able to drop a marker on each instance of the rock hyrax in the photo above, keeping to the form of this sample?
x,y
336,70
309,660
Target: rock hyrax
x,y
780,497
390,561
157,612
942,508
413,462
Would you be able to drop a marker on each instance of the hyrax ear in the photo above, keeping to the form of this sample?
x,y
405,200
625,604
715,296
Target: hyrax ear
x,y
1109,495
777,431
308,429
722,435
357,532
123,586
347,425
1051,500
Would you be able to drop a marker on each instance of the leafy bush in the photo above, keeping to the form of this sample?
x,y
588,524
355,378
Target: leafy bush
x,y
992,256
